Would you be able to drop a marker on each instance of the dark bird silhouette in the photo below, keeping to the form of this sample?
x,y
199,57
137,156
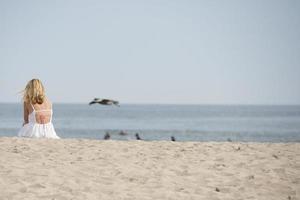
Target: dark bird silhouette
x,y
107,102
106,136
173,138
122,133
137,136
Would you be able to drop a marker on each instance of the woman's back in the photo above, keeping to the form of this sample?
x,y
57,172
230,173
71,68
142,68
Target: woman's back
x,y
37,112
41,113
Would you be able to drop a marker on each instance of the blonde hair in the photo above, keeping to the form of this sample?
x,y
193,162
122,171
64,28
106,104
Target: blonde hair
x,y
34,92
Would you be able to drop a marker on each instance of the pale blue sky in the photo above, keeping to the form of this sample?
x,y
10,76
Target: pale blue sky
x,y
198,52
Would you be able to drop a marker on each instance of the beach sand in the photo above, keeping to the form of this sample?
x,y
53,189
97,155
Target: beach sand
x,y
94,169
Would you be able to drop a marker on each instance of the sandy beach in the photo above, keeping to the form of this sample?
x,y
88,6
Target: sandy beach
x,y
95,169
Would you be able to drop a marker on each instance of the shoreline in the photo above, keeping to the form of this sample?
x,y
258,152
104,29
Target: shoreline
x,y
162,140
113,169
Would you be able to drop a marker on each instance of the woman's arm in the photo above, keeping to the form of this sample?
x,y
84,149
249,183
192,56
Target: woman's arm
x,y
25,114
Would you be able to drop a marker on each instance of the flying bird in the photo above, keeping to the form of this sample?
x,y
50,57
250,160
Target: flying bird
x,y
108,102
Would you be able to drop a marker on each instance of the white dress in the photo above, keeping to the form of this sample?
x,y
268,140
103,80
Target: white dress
x,y
36,130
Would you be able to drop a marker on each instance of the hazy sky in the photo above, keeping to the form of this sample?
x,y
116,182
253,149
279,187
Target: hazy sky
x,y
200,52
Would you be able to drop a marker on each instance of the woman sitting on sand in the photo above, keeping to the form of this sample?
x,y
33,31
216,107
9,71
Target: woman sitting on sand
x,y
37,112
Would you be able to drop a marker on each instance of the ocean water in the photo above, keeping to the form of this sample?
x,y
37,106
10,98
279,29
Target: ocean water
x,y
160,122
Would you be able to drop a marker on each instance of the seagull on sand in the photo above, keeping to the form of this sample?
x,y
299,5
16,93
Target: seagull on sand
x,y
122,133
137,136
173,138
106,136
108,102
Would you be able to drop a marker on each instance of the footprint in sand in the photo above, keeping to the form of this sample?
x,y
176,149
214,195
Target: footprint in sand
x,y
37,185
23,190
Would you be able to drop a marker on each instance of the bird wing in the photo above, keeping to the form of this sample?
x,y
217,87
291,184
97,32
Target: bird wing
x,y
92,102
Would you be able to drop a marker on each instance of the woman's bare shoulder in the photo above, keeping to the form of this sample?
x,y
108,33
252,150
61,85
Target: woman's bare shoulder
x,y
26,104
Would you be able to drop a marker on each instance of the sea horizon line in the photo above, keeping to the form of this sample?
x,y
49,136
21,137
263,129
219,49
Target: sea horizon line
x,y
170,104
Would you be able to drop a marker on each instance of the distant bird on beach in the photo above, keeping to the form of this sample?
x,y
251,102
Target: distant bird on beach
x,y
108,102
173,138
137,136
122,133
106,136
